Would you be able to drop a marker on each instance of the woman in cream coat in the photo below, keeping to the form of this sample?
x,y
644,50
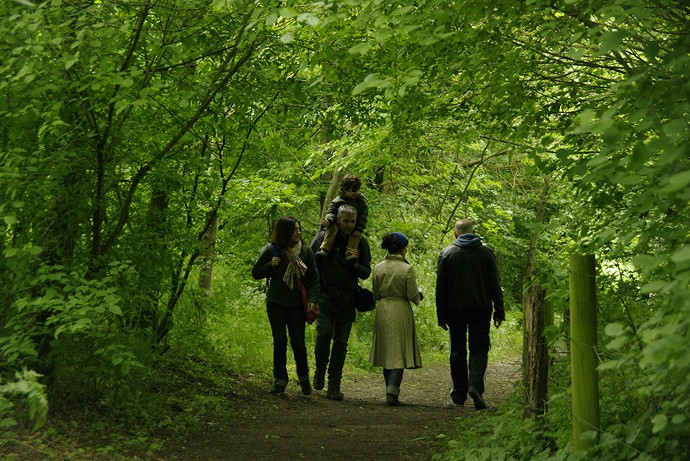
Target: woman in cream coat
x,y
394,346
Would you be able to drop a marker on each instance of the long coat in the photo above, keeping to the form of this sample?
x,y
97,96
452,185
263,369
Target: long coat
x,y
395,343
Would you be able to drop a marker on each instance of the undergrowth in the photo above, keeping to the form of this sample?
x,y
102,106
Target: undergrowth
x,y
219,350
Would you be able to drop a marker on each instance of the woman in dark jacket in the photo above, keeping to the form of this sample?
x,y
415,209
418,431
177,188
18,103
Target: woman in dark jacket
x,y
282,261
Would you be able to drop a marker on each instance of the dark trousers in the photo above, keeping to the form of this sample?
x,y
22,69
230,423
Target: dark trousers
x,y
290,318
328,329
479,343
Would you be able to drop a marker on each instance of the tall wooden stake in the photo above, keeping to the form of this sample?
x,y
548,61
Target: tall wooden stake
x,y
583,357
535,356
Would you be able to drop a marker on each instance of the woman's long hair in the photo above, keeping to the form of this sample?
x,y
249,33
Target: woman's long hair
x,y
282,232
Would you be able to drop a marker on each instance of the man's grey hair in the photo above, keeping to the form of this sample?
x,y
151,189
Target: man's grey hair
x,y
346,209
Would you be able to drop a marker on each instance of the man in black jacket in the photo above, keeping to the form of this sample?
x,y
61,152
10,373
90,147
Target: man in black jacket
x,y
338,278
468,289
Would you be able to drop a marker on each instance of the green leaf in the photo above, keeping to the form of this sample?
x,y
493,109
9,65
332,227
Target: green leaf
x,y
653,287
371,81
34,250
361,48
648,262
614,329
660,421
23,71
612,40
610,365
678,418
10,220
677,181
288,12
617,343
308,18
71,62
412,76
682,255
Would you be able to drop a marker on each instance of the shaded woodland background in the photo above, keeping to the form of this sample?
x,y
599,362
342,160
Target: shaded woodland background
x,y
147,148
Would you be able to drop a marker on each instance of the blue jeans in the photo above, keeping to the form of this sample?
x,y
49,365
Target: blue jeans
x,y
290,318
327,329
463,376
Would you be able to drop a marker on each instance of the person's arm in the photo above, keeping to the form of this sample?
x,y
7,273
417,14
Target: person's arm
x,y
495,291
312,276
375,284
316,242
363,265
263,267
441,305
411,286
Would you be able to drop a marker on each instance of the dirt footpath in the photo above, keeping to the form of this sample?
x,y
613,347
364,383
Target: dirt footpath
x,y
362,427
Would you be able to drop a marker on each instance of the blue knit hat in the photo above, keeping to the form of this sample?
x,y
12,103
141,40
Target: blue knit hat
x,y
394,242
401,239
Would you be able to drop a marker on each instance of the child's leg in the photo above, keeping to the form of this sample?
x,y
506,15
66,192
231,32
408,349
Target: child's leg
x,y
353,243
329,238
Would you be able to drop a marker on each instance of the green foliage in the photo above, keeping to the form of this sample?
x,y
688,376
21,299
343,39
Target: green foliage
x,y
26,387
129,129
68,326
503,436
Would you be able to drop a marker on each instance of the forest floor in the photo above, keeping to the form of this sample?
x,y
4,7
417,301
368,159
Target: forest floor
x,y
362,427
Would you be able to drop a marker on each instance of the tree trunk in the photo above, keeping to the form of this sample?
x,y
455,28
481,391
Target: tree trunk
x,y
583,357
333,189
535,355
206,266
206,270
153,262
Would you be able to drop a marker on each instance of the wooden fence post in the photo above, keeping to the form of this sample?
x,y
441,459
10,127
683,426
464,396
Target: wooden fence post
x,y
583,357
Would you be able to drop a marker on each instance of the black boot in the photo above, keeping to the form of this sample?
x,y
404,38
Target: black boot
x,y
479,402
392,400
278,389
333,392
319,378
305,385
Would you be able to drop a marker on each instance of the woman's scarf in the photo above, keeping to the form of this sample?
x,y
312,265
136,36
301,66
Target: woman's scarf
x,y
296,267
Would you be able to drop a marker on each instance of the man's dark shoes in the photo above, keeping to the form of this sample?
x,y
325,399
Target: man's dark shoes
x,y
319,379
334,394
479,402
392,400
277,390
305,385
